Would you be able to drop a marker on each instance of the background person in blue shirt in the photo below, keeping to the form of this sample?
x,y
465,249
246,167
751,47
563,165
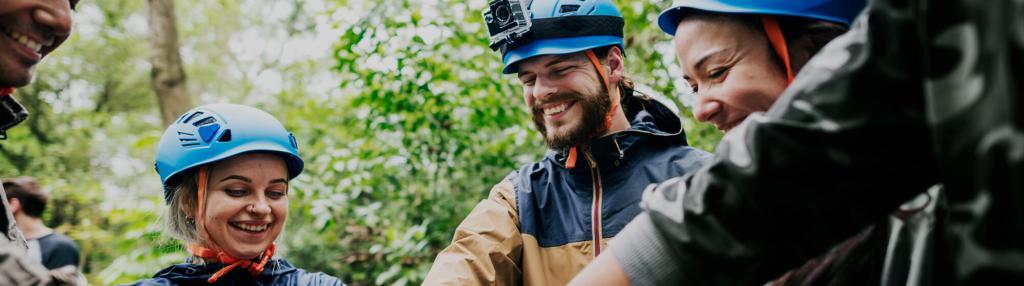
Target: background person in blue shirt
x,y
28,201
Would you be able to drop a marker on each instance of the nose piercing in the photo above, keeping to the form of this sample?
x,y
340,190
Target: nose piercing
x,y
251,208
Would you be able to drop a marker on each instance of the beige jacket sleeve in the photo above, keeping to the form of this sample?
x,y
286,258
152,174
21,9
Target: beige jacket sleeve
x,y
487,246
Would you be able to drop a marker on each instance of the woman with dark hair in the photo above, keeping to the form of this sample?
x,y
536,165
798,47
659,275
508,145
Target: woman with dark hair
x,y
739,63
738,57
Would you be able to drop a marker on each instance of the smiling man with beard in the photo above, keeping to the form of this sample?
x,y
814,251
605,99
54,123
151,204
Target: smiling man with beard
x,y
546,221
29,30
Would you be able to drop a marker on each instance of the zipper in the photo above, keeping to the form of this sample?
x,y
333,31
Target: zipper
x,y
595,209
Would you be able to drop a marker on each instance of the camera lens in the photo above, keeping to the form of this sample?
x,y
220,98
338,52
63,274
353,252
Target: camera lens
x,y
504,14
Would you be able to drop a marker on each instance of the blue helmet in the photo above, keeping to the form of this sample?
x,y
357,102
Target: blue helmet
x,y
838,11
214,132
565,27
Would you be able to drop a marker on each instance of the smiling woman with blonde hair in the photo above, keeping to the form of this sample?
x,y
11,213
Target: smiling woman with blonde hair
x,y
225,170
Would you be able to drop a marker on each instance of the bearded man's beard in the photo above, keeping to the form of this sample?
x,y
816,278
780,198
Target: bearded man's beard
x,y
593,107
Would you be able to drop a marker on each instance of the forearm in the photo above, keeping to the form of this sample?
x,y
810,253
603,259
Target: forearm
x,y
604,270
637,250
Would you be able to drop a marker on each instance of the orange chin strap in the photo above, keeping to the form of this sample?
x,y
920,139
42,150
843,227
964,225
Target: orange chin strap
x,y
613,94
254,267
215,253
778,41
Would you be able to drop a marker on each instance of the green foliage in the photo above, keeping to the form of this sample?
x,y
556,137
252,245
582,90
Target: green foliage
x,y
418,136
425,126
405,124
87,102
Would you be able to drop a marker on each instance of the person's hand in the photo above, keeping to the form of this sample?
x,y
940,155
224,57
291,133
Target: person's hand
x,y
67,275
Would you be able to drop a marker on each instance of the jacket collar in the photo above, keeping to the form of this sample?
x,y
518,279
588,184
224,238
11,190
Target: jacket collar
x,y
188,272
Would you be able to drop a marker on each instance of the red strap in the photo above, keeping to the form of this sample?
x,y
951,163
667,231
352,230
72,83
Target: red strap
x,y
613,94
571,161
201,186
215,253
6,91
778,41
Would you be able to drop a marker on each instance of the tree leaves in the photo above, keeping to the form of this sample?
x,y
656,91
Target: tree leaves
x,y
405,123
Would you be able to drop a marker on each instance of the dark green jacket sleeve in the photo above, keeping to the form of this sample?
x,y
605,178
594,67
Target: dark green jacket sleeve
x,y
844,145
917,93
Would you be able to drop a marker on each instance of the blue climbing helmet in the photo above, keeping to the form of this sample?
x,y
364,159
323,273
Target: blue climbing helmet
x,y
214,132
521,29
837,11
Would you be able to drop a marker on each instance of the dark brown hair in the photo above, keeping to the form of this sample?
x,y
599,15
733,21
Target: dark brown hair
x,y
804,37
627,87
29,194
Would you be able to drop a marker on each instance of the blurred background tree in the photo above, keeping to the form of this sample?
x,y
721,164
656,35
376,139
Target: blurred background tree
x,y
402,116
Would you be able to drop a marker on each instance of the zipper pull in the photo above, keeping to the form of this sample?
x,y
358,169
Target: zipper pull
x,y
616,140
590,158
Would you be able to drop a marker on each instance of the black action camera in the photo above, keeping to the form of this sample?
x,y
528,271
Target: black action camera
x,y
507,21
11,113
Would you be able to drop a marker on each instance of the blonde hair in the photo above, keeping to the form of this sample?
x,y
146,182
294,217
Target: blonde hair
x,y
183,205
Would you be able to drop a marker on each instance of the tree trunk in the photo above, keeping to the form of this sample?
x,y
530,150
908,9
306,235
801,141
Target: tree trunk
x,y
168,74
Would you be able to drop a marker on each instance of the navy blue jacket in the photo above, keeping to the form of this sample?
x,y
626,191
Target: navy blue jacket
x,y
277,272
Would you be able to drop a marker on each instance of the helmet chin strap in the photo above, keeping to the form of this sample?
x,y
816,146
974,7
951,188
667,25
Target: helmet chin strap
x,y
215,252
613,94
778,41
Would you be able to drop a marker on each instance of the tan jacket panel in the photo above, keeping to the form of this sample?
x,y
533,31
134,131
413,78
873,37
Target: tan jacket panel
x,y
487,246
555,265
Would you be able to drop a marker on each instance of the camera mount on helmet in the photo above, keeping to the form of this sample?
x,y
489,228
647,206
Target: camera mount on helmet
x,y
510,26
507,22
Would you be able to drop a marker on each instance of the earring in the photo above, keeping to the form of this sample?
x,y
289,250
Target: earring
x,y
190,221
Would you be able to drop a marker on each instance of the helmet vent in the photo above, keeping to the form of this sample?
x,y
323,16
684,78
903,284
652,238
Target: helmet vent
x,y
205,121
187,139
568,9
226,137
188,117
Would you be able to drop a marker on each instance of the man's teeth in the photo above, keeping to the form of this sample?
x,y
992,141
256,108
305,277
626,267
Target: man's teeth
x,y
555,109
250,227
26,41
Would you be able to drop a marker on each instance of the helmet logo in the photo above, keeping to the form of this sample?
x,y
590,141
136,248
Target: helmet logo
x,y
207,132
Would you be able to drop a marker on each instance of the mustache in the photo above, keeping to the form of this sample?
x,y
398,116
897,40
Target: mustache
x,y
556,98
